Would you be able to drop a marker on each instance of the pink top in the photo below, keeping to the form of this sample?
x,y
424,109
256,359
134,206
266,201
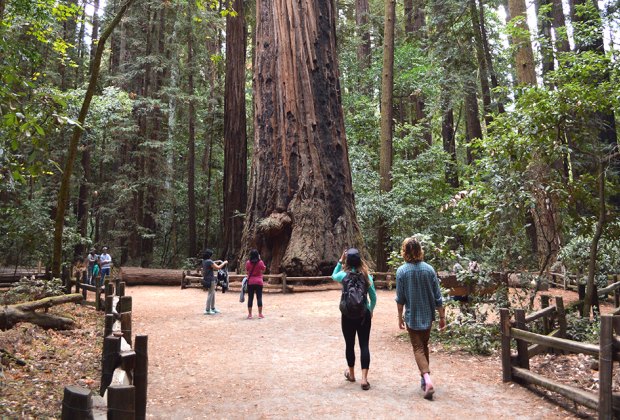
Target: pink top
x,y
256,270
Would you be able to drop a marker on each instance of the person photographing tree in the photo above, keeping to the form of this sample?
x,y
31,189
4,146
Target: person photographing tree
x,y
357,286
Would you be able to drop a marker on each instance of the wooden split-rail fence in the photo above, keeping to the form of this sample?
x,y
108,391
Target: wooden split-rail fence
x,y
281,283
528,344
124,368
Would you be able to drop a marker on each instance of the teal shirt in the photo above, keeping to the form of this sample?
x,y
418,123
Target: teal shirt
x,y
339,275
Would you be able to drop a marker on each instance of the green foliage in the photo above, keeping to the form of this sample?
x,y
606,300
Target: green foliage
x,y
470,331
582,329
30,289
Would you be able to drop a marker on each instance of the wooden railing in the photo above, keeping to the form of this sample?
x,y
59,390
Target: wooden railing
x,y
284,284
516,367
124,368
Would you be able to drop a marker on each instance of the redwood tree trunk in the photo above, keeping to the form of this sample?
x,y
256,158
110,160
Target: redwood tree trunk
x,y
191,138
235,135
524,56
301,211
387,94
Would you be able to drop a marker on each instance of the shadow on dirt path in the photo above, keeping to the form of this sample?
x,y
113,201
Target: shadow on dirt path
x,y
290,365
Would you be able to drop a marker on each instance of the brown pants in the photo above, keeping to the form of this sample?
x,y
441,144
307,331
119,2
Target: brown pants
x,y
419,341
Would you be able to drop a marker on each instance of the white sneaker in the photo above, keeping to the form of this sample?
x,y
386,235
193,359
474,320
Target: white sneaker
x,y
208,312
215,311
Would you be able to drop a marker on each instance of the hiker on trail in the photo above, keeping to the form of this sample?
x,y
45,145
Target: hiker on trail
x,y
105,263
208,280
91,258
357,285
255,267
417,290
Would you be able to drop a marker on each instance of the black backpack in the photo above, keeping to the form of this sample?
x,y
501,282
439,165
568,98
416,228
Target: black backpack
x,y
353,299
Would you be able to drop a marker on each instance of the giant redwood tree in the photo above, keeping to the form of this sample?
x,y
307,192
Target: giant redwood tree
x,y
300,212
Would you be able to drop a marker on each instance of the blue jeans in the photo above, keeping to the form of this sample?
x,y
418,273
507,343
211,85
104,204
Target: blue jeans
x,y
104,272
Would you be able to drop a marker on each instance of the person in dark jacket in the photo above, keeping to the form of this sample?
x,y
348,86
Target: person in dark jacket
x,y
208,280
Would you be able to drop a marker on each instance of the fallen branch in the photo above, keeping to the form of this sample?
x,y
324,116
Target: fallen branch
x,y
25,312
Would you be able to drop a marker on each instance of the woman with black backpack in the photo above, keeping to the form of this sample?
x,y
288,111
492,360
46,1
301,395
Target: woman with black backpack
x,y
357,286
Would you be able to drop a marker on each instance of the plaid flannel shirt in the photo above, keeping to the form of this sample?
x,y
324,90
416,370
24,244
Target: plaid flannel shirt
x,y
417,287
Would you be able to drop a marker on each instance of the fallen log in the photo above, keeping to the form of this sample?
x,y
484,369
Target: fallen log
x,y
25,312
151,276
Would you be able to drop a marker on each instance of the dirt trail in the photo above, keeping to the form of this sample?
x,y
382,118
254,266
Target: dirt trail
x,y
290,365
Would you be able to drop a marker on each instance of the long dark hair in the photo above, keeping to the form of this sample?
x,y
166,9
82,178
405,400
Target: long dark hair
x,y
254,256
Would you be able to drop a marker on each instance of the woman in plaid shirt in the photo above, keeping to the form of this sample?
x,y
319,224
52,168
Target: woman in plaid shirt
x,y
417,290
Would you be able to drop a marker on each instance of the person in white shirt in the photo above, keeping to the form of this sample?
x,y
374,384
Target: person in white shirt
x,y
105,261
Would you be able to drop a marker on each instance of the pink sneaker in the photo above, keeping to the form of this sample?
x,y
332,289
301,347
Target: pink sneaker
x,y
249,317
261,316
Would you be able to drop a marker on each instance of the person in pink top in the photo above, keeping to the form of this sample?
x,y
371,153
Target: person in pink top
x,y
255,267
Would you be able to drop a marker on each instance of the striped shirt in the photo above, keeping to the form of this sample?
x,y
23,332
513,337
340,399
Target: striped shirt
x,y
417,287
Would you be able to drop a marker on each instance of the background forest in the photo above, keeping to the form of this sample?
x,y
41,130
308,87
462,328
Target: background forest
x,y
497,142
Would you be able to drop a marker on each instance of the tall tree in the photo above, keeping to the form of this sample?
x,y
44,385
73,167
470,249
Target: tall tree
x,y
63,193
483,71
386,150
191,137
524,56
235,135
545,211
301,211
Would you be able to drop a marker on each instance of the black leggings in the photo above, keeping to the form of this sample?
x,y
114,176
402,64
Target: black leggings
x,y
362,328
258,289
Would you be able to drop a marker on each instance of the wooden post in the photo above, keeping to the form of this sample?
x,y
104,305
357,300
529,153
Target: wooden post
x,y
124,304
505,331
605,367
109,325
559,307
140,375
120,291
77,403
126,326
283,282
98,304
544,303
109,289
522,353
109,361
121,402
84,294
109,304
616,298
117,281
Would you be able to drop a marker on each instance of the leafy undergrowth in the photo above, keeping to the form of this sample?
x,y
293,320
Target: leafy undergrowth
x,y
37,364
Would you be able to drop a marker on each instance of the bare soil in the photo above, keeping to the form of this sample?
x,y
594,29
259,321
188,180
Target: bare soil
x,y
290,365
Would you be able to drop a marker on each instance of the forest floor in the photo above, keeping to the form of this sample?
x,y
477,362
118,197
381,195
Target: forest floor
x,y
288,365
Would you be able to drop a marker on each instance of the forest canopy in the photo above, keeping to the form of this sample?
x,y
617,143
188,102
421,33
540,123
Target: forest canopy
x,y
500,144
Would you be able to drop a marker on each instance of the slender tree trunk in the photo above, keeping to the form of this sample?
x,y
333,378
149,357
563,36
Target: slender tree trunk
x,y
544,34
482,63
364,56
416,99
235,134
301,211
191,138
95,34
63,193
559,27
524,56
449,143
473,129
387,95
487,54
79,69
598,232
